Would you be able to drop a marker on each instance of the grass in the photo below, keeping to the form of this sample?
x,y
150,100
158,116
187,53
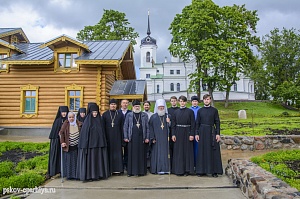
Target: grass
x,y
26,173
262,118
283,164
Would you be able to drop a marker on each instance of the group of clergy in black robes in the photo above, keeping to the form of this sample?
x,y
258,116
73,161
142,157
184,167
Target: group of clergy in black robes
x,y
119,139
205,130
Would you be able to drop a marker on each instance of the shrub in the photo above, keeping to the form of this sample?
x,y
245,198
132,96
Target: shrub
x,y
6,169
276,163
284,114
39,164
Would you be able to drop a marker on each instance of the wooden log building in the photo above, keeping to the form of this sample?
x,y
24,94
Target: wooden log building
x,y
36,78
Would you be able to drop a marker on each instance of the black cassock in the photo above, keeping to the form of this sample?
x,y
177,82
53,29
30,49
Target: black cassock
x,y
92,163
209,155
171,112
54,161
137,153
113,124
160,149
183,126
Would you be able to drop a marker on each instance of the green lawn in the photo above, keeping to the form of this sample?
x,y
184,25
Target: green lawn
x,y
262,118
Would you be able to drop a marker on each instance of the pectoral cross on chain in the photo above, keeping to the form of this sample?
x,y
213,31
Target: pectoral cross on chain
x,y
162,126
138,125
112,124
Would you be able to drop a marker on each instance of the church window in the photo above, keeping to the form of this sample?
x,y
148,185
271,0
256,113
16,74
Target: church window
x,y
29,100
147,75
157,88
178,86
171,72
148,57
178,72
171,87
74,97
234,87
204,87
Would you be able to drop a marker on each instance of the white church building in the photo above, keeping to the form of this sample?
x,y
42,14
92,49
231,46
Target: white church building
x,y
170,77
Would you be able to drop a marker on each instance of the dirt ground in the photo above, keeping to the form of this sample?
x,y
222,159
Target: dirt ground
x,y
17,155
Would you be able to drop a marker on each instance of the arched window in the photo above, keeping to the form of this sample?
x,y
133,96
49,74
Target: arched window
x,y
148,57
171,87
178,86
157,88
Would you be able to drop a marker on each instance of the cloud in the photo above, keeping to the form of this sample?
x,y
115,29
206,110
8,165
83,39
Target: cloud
x,y
49,19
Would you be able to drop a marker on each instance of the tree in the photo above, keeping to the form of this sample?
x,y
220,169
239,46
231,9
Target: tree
x,y
112,26
258,74
218,38
236,29
280,53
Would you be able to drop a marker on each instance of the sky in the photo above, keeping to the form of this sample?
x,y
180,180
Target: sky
x,y
42,20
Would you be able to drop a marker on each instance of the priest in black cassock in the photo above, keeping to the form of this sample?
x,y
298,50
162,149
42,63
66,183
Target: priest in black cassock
x,y
159,133
92,161
81,115
208,138
113,123
136,134
171,111
55,148
183,130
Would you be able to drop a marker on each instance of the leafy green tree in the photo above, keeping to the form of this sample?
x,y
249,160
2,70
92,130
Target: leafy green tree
x,y
280,53
258,74
112,26
236,29
218,38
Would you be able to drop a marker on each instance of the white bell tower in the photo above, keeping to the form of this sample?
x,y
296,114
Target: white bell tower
x,y
148,49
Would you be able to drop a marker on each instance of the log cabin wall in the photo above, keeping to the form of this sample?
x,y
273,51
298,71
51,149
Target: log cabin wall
x,y
51,92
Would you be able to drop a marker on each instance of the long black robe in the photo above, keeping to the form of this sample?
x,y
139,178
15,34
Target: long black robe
x,y
171,112
137,151
125,145
183,155
160,149
114,135
209,155
54,161
92,161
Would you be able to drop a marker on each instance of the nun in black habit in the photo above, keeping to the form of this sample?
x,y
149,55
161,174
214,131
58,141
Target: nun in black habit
x,y
92,161
55,148
81,115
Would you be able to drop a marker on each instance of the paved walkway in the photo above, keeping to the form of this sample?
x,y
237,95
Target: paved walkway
x,y
149,186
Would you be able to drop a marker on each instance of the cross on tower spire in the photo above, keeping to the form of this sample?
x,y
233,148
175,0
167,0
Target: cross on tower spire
x,y
148,30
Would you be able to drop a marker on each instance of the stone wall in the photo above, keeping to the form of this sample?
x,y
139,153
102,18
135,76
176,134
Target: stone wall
x,y
260,143
258,183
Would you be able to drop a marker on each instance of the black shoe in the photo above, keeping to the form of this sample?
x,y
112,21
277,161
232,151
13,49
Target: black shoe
x,y
215,175
129,175
201,174
180,174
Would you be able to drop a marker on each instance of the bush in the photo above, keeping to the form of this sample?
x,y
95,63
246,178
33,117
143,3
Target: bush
x,y
38,164
276,163
6,169
26,180
285,114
